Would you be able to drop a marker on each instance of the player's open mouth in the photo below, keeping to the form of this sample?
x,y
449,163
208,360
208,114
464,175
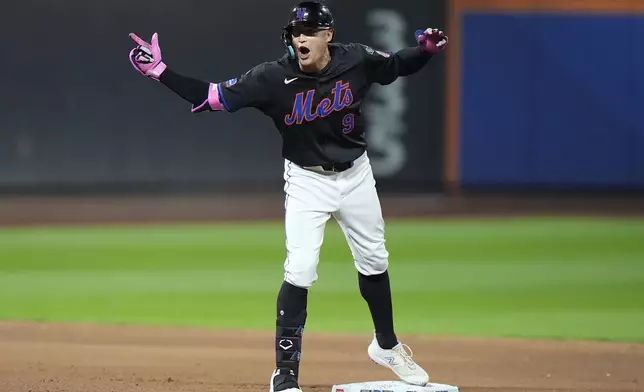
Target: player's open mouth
x,y
304,52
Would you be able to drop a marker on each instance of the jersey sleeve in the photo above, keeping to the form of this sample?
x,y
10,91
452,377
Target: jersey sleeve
x,y
381,67
249,90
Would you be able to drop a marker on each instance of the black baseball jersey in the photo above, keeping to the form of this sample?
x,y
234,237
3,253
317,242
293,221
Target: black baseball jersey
x,y
318,115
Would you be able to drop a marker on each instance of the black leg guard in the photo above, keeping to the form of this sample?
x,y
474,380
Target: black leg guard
x,y
291,318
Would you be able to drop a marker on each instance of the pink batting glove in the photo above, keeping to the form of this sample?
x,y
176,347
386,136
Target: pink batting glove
x,y
146,58
431,41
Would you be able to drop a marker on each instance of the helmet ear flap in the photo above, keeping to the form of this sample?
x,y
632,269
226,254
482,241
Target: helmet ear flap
x,y
286,39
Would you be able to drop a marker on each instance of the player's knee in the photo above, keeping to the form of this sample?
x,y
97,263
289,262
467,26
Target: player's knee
x,y
373,268
300,279
301,272
373,262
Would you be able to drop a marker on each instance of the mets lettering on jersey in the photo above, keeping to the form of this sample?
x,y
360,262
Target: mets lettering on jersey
x,y
303,106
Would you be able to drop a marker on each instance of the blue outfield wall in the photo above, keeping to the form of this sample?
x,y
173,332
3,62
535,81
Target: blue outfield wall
x,y
552,100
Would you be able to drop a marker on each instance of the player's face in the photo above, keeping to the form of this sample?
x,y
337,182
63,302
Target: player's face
x,y
311,46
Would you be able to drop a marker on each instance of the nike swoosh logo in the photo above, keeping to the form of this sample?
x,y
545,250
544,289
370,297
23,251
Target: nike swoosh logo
x,y
287,81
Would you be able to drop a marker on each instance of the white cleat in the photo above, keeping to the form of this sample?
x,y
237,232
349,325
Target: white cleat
x,y
284,380
399,361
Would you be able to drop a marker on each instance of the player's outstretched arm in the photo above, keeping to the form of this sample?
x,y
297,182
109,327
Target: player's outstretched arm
x,y
430,43
252,89
147,60
384,68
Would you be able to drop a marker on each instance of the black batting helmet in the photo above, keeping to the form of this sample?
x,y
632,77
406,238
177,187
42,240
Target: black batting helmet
x,y
306,13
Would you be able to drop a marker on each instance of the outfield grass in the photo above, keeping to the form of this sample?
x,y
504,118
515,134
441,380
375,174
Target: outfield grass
x,y
552,278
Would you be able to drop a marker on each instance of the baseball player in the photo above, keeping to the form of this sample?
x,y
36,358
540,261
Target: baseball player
x,y
314,94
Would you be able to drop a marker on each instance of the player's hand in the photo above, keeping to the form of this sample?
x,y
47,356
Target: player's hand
x,y
431,41
146,57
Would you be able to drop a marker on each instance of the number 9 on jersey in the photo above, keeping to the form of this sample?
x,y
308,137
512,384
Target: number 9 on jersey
x,y
348,122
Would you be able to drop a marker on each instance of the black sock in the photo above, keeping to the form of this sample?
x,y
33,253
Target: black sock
x,y
291,317
376,291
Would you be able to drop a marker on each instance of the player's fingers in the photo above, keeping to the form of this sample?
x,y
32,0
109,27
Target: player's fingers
x,y
138,40
443,42
155,40
144,54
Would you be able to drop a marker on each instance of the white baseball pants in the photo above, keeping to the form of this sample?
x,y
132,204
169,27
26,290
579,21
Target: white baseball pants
x,y
312,197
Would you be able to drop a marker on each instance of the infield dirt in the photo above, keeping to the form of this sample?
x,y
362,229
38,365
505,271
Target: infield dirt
x,y
42,357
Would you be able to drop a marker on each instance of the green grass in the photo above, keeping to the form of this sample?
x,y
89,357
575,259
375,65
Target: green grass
x,y
536,278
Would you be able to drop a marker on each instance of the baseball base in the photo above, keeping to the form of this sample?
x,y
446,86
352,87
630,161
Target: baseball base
x,y
392,386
